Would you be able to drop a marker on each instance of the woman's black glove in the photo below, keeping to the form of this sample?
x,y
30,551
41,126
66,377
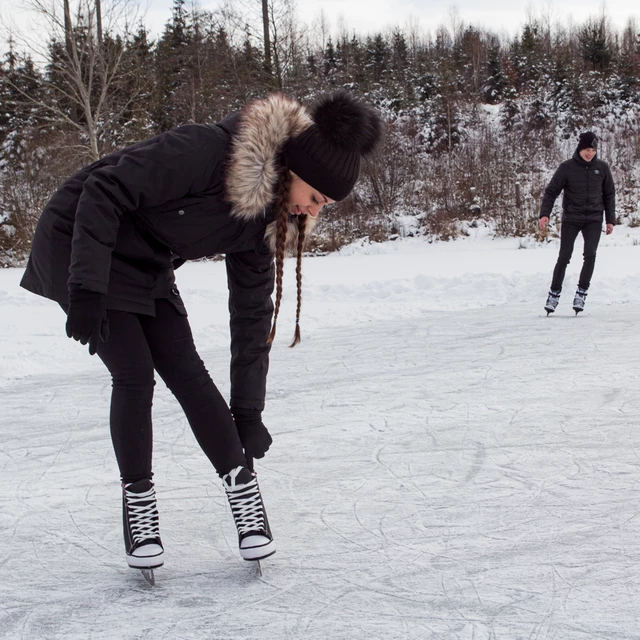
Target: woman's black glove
x,y
253,434
87,319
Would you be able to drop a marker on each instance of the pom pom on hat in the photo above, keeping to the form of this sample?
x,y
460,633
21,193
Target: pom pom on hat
x,y
327,154
346,123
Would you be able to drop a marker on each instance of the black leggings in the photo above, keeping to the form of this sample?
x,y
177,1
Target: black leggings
x,y
137,345
591,232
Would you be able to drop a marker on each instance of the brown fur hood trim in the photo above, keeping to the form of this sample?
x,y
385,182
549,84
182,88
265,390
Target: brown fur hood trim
x,y
265,126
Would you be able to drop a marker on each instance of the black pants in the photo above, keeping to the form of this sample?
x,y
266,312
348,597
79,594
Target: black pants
x,y
140,344
591,232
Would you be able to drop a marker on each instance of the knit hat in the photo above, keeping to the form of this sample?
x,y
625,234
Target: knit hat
x,y
327,154
586,140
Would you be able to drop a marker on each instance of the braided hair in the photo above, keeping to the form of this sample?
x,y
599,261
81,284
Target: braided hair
x,y
327,155
302,228
282,226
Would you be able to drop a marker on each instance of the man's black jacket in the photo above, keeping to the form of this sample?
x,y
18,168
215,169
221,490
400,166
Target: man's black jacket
x,y
588,191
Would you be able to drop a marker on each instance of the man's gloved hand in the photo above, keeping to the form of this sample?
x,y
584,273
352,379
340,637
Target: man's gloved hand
x,y
253,434
86,319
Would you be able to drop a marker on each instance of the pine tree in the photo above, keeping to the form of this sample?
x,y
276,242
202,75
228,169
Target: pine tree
x,y
134,92
329,63
170,64
510,115
468,56
19,79
401,88
594,44
495,84
528,59
377,56
629,65
538,117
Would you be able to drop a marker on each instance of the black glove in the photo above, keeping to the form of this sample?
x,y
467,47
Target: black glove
x,y
87,320
253,434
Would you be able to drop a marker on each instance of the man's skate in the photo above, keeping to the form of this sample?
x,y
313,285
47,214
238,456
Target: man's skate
x,y
579,300
552,302
141,528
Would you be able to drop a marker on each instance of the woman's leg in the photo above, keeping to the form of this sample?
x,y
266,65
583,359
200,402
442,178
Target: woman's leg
x,y
177,362
128,359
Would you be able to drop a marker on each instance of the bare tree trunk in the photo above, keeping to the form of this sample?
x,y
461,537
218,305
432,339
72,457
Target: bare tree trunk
x,y
267,40
68,45
67,27
449,126
99,23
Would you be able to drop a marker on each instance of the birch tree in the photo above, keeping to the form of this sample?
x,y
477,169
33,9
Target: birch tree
x,y
84,58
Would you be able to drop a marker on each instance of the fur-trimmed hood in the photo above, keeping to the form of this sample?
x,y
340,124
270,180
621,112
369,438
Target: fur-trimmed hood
x,y
252,172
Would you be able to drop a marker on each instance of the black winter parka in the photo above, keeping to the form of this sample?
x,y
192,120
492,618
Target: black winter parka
x,y
588,190
123,224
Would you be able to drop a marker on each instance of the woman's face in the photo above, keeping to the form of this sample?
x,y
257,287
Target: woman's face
x,y
303,198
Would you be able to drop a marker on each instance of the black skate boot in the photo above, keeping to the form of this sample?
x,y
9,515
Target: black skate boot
x,y
254,535
141,527
579,300
552,301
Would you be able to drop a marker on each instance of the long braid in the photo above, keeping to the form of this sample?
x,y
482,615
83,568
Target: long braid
x,y
302,227
282,223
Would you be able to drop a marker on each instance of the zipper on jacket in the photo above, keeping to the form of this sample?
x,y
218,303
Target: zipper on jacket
x,y
588,189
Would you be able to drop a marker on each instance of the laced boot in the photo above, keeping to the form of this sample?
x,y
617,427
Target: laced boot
x,y
141,525
254,535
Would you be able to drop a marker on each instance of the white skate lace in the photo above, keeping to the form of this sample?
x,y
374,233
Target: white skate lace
x,y
142,515
246,504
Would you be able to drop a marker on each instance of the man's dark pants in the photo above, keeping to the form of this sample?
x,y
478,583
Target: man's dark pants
x,y
591,232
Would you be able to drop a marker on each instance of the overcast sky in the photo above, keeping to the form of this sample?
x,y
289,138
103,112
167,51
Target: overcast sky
x,y
366,16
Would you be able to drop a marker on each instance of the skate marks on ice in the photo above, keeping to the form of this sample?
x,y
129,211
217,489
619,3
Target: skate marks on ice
x,y
460,476
485,477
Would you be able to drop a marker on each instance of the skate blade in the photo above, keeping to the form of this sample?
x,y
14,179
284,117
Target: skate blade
x,y
258,569
147,574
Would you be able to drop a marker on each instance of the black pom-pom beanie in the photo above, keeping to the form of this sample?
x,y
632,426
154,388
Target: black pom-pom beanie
x,y
327,154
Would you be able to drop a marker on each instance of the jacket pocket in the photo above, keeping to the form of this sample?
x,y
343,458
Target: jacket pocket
x,y
181,226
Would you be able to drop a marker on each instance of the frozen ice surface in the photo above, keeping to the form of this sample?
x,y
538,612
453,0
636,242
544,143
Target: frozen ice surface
x,y
448,462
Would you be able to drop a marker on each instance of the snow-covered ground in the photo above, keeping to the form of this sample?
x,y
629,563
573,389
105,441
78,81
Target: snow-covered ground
x,y
448,462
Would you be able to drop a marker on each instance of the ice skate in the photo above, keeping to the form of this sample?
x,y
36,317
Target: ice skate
x,y
552,302
254,535
141,528
579,300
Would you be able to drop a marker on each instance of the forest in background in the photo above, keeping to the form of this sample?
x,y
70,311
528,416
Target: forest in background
x,y
476,122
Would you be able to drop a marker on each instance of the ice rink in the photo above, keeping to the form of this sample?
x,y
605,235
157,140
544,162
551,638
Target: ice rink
x,y
448,462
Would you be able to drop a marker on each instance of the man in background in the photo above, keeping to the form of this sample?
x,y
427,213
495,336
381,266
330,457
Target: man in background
x,y
588,191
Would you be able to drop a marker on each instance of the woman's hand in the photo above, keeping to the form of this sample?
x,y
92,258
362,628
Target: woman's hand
x,y
254,436
87,319
609,229
544,221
